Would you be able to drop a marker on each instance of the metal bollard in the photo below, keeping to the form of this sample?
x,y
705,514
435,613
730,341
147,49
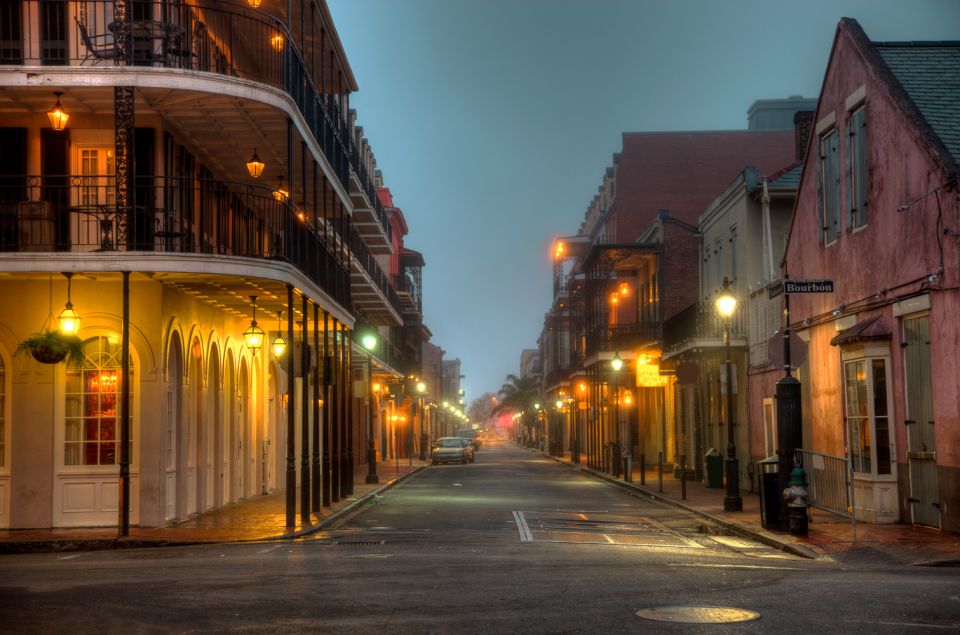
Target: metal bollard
x,y
683,477
643,469
660,471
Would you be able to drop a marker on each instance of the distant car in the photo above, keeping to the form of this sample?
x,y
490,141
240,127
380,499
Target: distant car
x,y
470,449
470,435
451,449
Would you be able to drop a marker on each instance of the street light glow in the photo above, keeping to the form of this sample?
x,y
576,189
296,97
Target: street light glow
x,y
726,302
616,363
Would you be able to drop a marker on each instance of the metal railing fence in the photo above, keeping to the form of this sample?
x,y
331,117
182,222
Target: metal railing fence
x,y
830,484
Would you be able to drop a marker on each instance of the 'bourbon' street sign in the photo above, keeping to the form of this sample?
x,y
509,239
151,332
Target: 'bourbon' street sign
x,y
801,286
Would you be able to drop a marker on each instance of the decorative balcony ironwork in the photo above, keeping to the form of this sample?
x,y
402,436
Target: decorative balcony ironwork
x,y
74,213
372,268
224,39
699,321
627,336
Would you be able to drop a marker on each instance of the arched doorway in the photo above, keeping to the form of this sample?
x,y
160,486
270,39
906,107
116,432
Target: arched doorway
x,y
231,434
244,464
213,422
192,441
171,429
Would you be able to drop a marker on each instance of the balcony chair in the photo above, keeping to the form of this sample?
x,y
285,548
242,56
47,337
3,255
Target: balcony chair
x,y
102,50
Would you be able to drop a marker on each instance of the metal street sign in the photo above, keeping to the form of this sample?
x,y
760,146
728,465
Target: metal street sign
x,y
801,286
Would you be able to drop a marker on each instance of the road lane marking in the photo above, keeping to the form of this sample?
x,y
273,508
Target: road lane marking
x,y
269,549
734,566
525,535
76,555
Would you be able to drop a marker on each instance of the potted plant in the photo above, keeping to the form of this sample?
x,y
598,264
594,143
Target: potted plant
x,y
52,347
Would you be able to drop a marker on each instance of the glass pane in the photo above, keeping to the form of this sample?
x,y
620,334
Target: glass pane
x,y
883,446
864,445
108,453
71,454
72,430
879,388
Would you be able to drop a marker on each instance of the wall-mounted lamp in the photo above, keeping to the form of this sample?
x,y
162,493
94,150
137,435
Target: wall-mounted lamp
x,y
57,116
277,42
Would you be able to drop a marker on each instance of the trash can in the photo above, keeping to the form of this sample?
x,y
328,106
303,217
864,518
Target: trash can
x,y
770,492
713,475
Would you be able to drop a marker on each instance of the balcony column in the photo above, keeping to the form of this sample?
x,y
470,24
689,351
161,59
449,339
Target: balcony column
x,y
348,410
326,442
291,471
305,480
123,126
315,464
336,471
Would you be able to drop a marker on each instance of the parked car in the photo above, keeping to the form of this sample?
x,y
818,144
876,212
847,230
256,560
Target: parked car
x,y
470,435
470,449
451,449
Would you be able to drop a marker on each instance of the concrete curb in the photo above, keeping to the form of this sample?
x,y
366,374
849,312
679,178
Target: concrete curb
x,y
735,528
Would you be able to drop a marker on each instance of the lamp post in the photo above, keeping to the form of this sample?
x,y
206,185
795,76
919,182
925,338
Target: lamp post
x,y
726,305
422,388
369,342
616,364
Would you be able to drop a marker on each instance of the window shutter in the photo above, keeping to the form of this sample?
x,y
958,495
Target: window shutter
x,y
821,207
835,181
863,183
849,182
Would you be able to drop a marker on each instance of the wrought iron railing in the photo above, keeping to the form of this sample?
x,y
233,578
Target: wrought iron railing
x,y
373,269
369,188
75,213
610,338
225,39
699,321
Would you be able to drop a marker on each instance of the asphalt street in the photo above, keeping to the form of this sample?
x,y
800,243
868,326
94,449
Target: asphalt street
x,y
512,543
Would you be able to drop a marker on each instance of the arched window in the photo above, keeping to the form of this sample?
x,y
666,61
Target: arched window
x,y
92,401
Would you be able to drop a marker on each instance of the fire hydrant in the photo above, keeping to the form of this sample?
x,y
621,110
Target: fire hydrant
x,y
796,496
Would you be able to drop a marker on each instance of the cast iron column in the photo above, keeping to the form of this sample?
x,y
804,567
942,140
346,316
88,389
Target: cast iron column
x,y
315,467
304,417
371,443
789,422
125,411
291,472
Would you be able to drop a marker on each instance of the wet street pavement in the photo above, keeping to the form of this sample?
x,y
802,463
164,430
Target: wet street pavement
x,y
515,542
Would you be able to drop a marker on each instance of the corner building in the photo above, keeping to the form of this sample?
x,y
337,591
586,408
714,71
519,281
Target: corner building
x,y
176,239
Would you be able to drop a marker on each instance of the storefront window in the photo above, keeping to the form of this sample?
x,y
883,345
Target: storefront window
x,y
867,415
92,399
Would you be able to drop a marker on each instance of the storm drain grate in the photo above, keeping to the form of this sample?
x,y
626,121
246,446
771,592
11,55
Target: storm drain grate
x,y
360,543
367,556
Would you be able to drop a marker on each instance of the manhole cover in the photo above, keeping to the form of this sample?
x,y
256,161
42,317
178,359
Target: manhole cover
x,y
697,614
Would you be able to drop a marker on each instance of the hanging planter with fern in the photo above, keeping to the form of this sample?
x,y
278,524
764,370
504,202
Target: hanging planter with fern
x,y
52,347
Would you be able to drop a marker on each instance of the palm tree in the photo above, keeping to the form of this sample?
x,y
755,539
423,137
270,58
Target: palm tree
x,y
520,394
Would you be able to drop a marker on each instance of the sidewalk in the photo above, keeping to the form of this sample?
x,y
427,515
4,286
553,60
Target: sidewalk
x,y
258,518
830,536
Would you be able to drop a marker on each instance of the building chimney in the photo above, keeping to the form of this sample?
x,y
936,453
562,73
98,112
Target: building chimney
x,y
802,125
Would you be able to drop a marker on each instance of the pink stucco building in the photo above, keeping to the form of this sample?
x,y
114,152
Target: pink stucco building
x,y
878,212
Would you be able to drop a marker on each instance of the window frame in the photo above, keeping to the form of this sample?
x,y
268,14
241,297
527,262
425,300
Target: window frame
x,y
868,355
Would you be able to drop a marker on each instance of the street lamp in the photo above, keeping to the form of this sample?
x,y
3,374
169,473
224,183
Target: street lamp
x,y
369,342
726,305
616,364
422,388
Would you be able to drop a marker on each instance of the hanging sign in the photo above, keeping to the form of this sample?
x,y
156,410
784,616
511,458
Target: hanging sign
x,y
648,376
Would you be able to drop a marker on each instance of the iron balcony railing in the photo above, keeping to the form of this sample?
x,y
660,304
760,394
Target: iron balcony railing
x,y
611,338
386,351
699,321
224,39
369,188
76,213
370,265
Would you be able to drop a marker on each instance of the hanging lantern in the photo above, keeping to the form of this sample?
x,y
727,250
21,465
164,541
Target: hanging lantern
x,y
58,117
279,344
255,165
68,318
277,42
281,194
254,4
253,336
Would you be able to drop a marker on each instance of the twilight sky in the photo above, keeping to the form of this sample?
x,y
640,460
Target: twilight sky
x,y
493,120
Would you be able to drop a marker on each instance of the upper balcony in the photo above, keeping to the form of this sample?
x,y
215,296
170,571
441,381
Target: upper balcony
x,y
78,214
218,53
373,294
369,216
700,328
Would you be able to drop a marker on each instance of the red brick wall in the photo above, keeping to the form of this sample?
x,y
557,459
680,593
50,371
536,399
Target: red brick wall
x,y
680,282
